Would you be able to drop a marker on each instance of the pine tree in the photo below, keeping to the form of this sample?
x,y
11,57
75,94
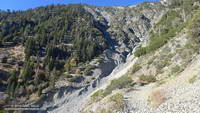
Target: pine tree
x,y
12,83
30,48
36,77
53,77
40,91
51,64
28,71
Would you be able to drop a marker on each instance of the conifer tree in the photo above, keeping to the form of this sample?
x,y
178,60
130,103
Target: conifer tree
x,y
28,71
30,48
12,83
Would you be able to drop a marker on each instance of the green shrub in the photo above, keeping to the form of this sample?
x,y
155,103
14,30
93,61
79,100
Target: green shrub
x,y
186,55
186,4
141,51
77,79
150,61
192,45
135,68
3,111
149,79
119,83
171,55
162,63
106,111
88,70
118,100
194,26
39,91
167,30
176,69
160,82
193,79
98,94
68,75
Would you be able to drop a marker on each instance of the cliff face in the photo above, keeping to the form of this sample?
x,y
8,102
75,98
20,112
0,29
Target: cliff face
x,y
125,27
128,25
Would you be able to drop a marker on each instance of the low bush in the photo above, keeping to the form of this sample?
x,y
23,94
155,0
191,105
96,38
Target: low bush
x,y
192,45
192,79
167,30
98,94
194,27
88,71
160,82
3,111
141,51
106,111
118,100
119,83
77,79
149,79
68,75
150,61
160,64
176,69
135,68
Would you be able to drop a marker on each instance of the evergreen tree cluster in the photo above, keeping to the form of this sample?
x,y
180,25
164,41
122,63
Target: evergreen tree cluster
x,y
53,36
52,25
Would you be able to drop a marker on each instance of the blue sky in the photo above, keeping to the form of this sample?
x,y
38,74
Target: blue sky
x,y
26,4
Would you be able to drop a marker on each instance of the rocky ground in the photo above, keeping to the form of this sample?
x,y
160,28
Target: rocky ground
x,y
178,95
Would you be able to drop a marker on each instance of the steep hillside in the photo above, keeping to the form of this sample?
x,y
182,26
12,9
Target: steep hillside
x,y
81,58
59,49
113,58
165,77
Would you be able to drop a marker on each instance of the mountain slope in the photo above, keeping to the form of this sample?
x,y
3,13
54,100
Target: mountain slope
x,y
67,48
81,58
165,76
115,55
